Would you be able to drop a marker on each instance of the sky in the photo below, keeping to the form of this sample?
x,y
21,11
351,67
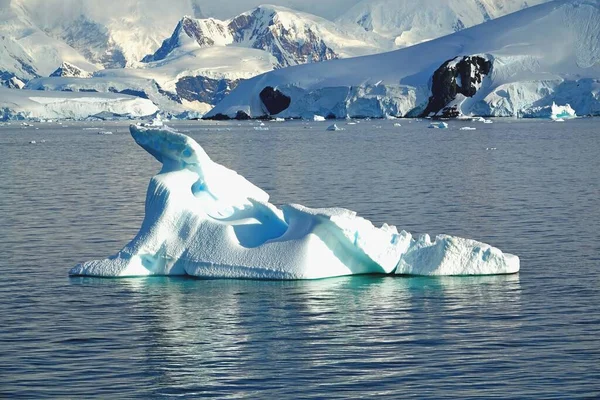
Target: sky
x,y
330,9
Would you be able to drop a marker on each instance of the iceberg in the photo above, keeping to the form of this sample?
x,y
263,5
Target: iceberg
x,y
204,220
438,125
334,127
554,112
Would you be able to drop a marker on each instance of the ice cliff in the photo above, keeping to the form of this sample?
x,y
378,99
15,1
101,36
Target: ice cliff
x,y
204,220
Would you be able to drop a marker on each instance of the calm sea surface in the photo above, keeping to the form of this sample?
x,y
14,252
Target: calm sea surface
x,y
76,195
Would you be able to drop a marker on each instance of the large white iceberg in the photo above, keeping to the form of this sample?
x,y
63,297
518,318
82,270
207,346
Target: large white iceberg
x,y
203,219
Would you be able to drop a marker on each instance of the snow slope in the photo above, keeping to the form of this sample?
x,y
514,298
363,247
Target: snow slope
x,y
28,52
530,58
113,33
34,104
205,220
408,22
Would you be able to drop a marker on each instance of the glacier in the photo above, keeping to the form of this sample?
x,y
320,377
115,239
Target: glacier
x,y
37,104
500,68
205,220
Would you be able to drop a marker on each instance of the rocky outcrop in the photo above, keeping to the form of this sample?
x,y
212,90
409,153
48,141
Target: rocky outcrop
x,y
274,101
461,75
240,116
12,82
203,89
68,70
264,28
261,29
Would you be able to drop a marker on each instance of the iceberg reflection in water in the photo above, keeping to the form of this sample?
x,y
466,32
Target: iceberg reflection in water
x,y
204,220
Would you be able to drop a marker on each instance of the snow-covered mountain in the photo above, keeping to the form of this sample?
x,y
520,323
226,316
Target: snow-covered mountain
x,y
26,51
204,59
70,71
111,33
407,22
504,67
290,36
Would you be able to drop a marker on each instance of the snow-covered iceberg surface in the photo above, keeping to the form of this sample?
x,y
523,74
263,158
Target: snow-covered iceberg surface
x,y
205,220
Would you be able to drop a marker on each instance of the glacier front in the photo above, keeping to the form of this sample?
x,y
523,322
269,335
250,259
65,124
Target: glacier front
x,y
204,220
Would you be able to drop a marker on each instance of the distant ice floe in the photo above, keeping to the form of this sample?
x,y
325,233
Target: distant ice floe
x,y
204,220
468,128
438,125
334,127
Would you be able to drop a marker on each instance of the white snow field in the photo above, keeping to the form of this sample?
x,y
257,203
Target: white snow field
x,y
36,104
409,22
543,54
205,220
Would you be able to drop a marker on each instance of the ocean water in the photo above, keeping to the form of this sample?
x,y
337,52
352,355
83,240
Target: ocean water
x,y
531,188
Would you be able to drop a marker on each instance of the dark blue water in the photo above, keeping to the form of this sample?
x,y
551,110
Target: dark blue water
x,y
534,335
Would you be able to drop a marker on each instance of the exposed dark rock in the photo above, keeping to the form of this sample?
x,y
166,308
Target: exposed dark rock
x,y
242,116
88,90
71,71
10,81
93,41
260,29
219,117
130,92
452,78
172,96
274,100
206,90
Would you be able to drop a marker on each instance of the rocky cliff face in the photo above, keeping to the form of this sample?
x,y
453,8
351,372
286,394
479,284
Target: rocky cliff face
x,y
461,75
68,70
203,89
291,42
274,101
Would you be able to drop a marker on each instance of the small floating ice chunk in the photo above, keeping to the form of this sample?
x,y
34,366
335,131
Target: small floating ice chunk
x,y
318,118
104,133
478,119
468,128
562,112
32,142
397,124
334,127
438,125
